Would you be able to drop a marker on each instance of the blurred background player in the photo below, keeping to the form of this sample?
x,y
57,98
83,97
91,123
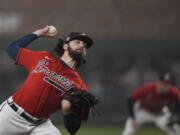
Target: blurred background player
x,y
149,104
28,110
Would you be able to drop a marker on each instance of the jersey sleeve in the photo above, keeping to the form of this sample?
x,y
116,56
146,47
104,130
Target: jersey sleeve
x,y
28,58
141,92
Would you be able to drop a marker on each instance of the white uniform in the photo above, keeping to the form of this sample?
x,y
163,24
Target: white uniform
x,y
17,125
142,116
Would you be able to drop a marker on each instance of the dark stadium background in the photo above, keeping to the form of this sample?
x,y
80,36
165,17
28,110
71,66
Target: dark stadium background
x,y
133,41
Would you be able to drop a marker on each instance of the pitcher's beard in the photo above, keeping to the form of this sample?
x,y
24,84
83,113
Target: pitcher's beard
x,y
77,57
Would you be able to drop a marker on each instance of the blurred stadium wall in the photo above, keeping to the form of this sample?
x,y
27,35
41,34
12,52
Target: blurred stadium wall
x,y
134,40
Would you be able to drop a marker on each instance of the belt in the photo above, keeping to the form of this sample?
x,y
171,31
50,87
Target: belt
x,y
25,116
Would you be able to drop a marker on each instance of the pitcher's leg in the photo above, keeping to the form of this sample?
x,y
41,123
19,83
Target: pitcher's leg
x,y
11,123
46,128
161,122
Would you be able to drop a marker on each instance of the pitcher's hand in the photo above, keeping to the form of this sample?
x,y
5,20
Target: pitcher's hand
x,y
43,32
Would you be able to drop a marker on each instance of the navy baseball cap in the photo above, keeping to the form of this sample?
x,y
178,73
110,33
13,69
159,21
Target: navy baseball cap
x,y
165,77
79,36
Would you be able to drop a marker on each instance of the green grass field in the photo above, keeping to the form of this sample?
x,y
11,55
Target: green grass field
x,y
112,130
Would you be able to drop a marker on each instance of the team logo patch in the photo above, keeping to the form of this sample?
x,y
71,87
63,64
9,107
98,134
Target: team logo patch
x,y
52,78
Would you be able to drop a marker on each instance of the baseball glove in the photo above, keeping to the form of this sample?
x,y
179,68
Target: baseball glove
x,y
80,100
81,103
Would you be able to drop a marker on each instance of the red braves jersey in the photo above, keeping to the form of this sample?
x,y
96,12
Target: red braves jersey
x,y
48,78
153,101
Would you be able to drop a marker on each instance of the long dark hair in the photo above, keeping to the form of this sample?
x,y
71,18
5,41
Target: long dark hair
x,y
59,47
60,51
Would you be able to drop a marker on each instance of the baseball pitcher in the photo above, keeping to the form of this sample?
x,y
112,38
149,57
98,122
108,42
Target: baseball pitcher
x,y
52,84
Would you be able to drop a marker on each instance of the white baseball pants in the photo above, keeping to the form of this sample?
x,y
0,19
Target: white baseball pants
x,y
12,123
142,116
